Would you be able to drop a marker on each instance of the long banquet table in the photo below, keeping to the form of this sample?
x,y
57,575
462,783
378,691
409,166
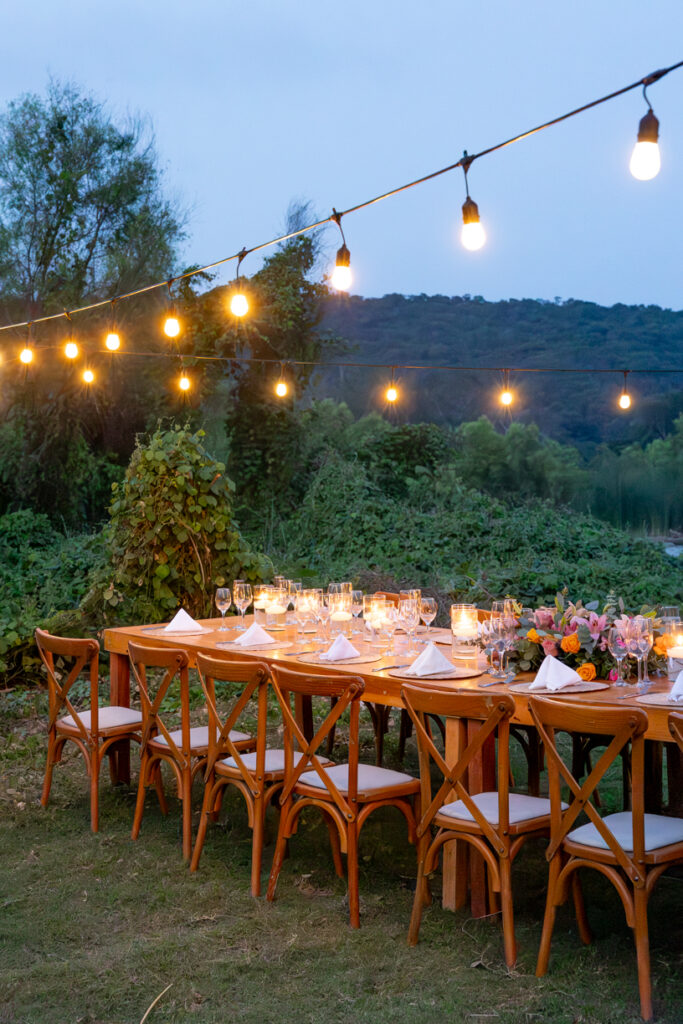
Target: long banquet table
x,y
380,688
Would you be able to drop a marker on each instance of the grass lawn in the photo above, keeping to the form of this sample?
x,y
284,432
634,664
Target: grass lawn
x,y
94,927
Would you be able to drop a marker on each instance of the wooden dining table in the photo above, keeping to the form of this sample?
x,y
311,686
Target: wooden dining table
x,y
381,687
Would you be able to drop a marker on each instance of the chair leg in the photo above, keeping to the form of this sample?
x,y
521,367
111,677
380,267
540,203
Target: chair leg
x,y
643,953
187,814
419,900
159,787
140,800
580,910
259,812
352,870
405,732
203,824
335,846
280,852
509,942
548,918
49,768
94,789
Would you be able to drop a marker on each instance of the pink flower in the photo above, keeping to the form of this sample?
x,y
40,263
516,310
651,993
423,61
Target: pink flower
x,y
543,618
613,676
595,623
549,646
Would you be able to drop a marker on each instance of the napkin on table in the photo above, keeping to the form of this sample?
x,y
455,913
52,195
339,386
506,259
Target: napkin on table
x,y
255,636
183,623
553,675
340,650
429,663
676,694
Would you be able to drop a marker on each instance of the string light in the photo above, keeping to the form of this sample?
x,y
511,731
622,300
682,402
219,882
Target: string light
x,y
391,393
645,159
26,355
341,275
239,304
171,323
506,396
472,235
624,397
281,387
113,340
88,376
184,382
71,350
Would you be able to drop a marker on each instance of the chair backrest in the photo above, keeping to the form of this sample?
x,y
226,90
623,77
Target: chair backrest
x,y
174,663
621,726
494,711
345,692
76,655
256,678
676,727
388,596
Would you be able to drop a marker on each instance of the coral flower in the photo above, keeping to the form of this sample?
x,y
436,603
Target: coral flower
x,y
549,646
570,644
663,643
587,671
533,636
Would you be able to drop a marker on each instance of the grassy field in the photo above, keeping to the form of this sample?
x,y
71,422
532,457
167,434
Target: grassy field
x,y
94,927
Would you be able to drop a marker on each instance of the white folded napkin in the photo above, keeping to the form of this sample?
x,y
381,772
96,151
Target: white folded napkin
x,y
429,663
340,650
255,636
553,675
183,623
676,694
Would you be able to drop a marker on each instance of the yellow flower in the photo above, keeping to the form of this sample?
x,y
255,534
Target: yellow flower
x,y
587,671
570,644
663,643
533,636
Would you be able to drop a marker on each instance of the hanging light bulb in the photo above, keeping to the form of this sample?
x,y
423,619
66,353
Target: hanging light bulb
x,y
184,382
239,303
645,159
113,339
171,322
391,393
506,396
26,355
472,234
88,376
341,275
624,397
71,350
281,389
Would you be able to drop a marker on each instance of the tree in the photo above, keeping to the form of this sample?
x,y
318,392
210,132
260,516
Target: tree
x,y
82,212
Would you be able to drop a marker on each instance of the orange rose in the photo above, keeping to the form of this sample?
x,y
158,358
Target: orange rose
x,y
570,644
533,636
663,643
587,671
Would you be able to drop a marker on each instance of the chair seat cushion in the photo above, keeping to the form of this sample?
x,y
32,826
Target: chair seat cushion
x,y
522,807
370,778
659,831
275,760
199,737
108,717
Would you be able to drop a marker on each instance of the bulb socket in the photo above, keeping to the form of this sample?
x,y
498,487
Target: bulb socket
x,y
343,257
648,129
470,212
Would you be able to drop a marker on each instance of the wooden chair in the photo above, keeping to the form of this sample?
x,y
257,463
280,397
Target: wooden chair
x,y
94,731
185,749
496,824
259,774
630,848
345,793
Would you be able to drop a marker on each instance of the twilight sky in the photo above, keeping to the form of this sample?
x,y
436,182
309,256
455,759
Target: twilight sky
x,y
264,101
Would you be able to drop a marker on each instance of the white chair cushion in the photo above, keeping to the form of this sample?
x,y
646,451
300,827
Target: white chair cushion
x,y
522,807
108,717
370,778
199,736
275,760
659,831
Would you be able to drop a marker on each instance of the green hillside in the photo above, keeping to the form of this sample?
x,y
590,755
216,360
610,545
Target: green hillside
x,y
468,331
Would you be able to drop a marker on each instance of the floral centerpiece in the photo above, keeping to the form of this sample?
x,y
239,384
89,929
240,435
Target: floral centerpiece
x,y
576,634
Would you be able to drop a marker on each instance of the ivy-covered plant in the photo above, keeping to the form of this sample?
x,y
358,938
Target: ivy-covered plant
x,y
172,537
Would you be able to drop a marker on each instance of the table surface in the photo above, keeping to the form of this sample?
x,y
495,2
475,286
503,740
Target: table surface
x,y
380,686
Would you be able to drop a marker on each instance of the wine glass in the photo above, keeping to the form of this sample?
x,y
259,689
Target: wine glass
x,y
242,594
645,639
428,610
223,602
499,640
617,646
388,621
486,635
322,614
409,616
356,606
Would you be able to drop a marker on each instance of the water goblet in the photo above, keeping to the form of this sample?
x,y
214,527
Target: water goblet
x,y
428,609
242,595
356,606
409,616
618,648
223,602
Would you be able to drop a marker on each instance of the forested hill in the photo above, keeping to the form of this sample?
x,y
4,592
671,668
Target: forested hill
x,y
466,331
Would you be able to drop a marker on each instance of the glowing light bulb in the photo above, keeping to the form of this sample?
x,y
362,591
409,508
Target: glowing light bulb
x,y
506,397
281,389
625,401
71,350
341,275
112,341
391,394
26,355
472,235
239,304
184,383
172,326
88,376
645,159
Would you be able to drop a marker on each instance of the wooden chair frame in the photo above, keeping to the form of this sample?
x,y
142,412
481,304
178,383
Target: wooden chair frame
x,y
92,741
633,875
345,812
497,844
257,787
184,761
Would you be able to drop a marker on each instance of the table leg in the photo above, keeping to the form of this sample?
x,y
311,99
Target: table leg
x,y
119,694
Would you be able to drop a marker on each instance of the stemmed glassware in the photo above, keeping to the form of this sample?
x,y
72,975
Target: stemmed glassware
x,y
487,634
356,606
645,639
428,609
389,621
322,614
409,615
223,602
617,645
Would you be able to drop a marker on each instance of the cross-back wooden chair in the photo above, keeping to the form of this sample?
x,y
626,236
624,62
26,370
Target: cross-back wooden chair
x,y
95,730
496,824
630,848
257,774
345,793
675,721
185,749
